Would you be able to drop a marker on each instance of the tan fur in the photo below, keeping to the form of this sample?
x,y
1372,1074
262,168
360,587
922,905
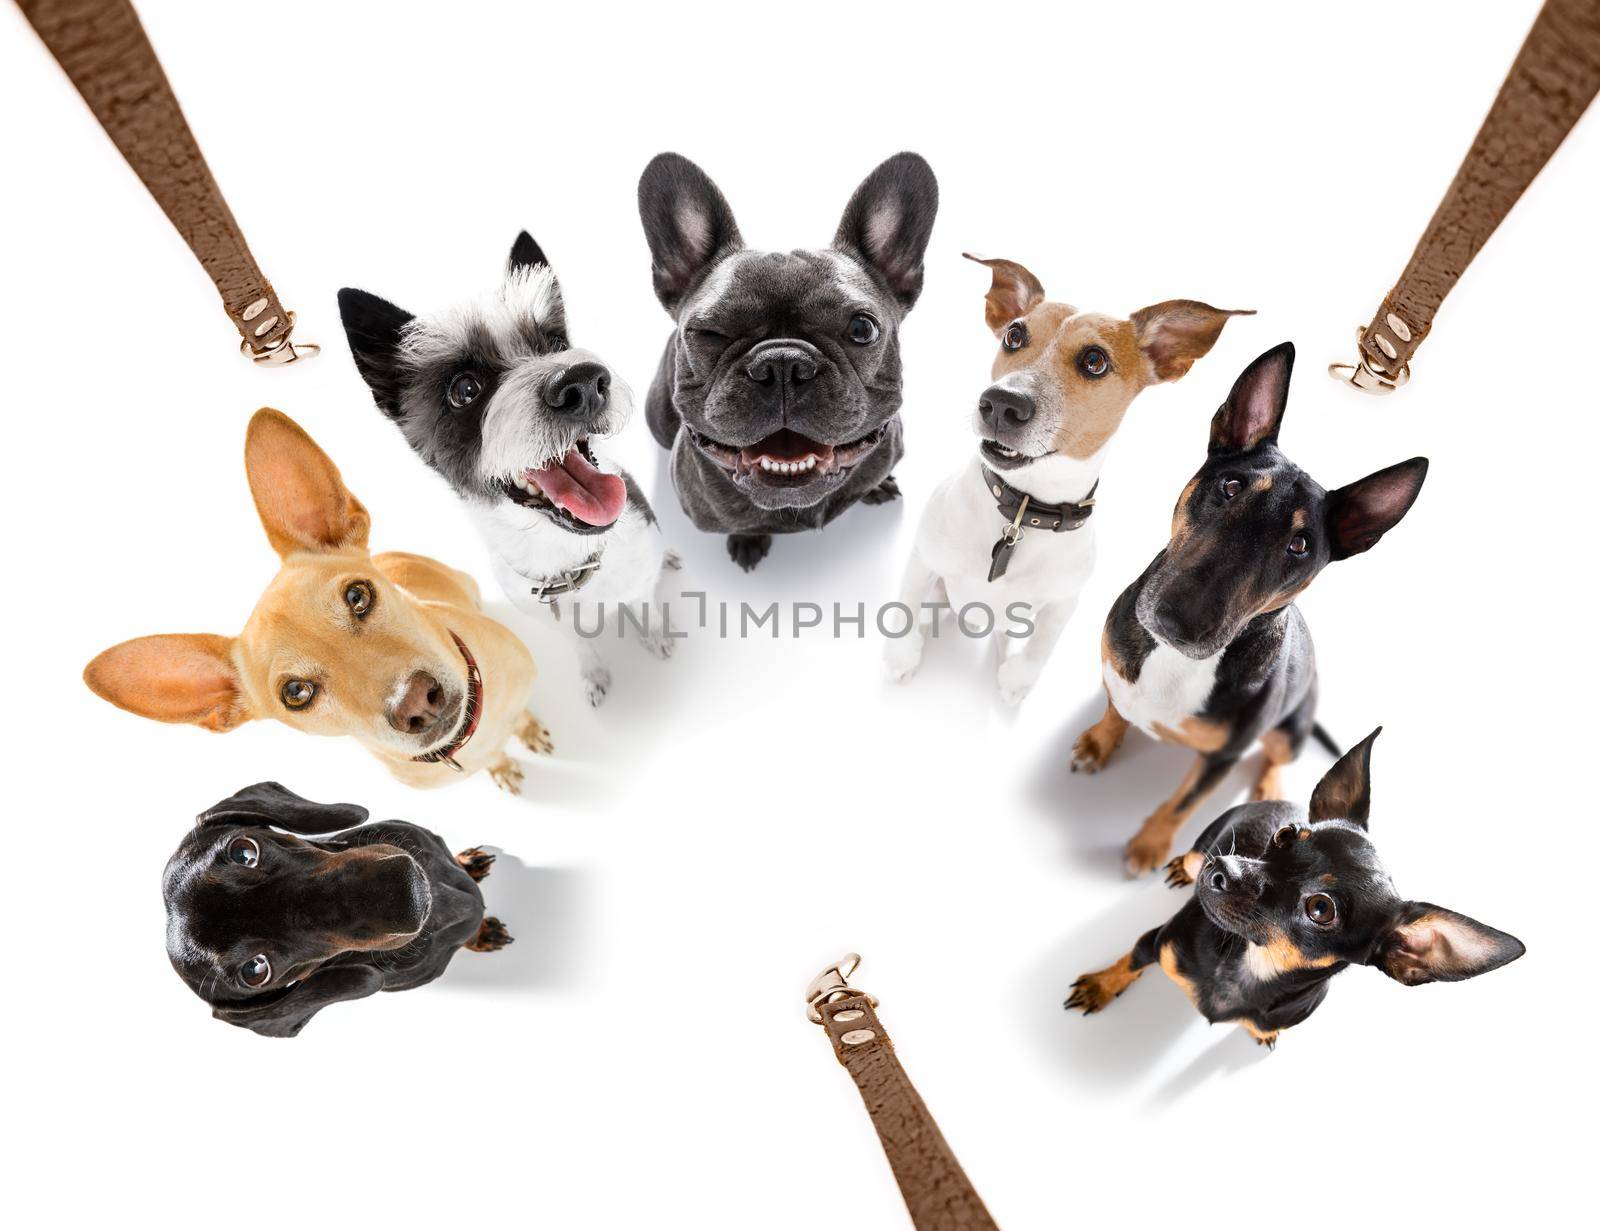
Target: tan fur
x,y
1148,849
1169,965
1093,992
1281,956
1200,734
1156,344
301,629
1277,753
1095,746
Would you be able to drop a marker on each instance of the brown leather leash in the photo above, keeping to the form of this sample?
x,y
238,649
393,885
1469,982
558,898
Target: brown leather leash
x,y
936,1190
1555,77
104,50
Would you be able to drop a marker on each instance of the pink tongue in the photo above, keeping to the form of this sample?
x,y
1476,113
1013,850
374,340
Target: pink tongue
x,y
590,495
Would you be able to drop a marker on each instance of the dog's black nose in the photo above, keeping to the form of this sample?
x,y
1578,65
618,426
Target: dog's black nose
x,y
1175,626
1219,880
1002,407
781,365
579,391
419,706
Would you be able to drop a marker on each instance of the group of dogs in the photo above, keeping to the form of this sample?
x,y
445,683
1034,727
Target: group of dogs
x,y
778,396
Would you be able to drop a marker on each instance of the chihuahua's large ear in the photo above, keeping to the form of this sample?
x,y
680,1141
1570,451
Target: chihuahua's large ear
x,y
372,326
1013,291
177,677
889,220
1254,410
1360,513
301,500
271,803
1345,792
1427,944
687,223
283,1014
1174,334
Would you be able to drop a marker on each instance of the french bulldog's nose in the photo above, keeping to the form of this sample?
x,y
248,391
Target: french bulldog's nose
x,y
1002,407
781,365
580,391
419,706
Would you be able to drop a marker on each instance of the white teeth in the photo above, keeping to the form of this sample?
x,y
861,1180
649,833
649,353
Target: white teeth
x,y
800,467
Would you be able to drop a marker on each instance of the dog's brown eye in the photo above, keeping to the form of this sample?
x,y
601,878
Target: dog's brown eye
x,y
1321,910
1015,336
359,597
1285,835
297,694
464,391
256,971
1230,488
1299,546
863,330
1093,363
244,852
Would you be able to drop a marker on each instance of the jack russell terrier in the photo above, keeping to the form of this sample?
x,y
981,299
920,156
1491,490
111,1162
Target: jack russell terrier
x,y
1014,526
393,649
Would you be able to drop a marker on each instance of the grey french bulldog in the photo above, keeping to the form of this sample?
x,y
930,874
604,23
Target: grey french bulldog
x,y
779,391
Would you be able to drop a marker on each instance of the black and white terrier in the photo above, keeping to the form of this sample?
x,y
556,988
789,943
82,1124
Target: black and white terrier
x,y
493,397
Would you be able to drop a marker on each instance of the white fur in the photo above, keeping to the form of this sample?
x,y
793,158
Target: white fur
x,y
955,537
1171,687
514,440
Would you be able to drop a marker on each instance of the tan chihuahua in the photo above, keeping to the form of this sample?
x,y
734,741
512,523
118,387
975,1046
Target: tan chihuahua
x,y
393,649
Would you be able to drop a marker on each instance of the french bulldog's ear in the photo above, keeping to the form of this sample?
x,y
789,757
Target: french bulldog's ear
x,y
1345,792
1254,410
372,326
525,254
1013,292
687,223
1427,944
272,804
1360,513
301,500
1174,334
176,677
889,220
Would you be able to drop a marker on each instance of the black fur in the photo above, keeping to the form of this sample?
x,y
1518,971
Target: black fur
x,y
1249,945
323,912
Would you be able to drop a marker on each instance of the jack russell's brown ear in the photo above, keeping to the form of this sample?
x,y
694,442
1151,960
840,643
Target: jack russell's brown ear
x,y
176,677
1013,292
1175,333
301,500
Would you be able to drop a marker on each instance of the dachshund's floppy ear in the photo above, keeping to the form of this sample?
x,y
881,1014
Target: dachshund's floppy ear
x,y
269,803
283,1015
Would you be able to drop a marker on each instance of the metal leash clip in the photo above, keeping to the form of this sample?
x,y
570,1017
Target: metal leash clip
x,y
833,984
1366,376
281,353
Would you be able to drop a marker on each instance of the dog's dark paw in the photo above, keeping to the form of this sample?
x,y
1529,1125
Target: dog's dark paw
x,y
883,493
491,935
475,862
748,550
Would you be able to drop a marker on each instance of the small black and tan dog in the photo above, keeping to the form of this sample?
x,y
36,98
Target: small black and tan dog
x,y
1283,901
1207,649
269,928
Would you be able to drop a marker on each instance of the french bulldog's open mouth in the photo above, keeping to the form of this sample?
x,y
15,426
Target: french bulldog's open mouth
x,y
787,458
571,491
1004,457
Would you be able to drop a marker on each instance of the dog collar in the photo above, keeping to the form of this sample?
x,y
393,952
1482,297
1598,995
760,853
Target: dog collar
x,y
447,754
1023,512
567,581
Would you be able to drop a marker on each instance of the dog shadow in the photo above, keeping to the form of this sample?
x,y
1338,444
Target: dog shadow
x,y
1097,813
543,909
1122,1043
1234,1052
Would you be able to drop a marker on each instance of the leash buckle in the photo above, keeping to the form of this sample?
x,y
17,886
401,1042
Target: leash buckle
x,y
282,353
833,983
1364,375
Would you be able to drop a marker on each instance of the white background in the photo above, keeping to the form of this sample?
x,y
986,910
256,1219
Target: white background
x,y
734,818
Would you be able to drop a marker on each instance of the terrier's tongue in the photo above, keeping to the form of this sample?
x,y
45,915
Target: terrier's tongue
x,y
590,495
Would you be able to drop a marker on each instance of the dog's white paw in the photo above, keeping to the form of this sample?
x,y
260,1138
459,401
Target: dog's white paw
x,y
596,684
903,656
659,644
1017,677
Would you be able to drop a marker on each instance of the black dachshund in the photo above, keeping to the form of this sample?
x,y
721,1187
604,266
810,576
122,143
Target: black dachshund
x,y
269,928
